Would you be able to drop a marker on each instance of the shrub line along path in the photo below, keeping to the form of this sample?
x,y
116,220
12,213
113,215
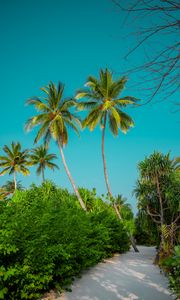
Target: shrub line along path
x,y
129,276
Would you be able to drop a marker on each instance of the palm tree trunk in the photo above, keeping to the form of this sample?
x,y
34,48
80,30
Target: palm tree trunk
x,y
43,178
160,201
108,186
71,179
161,213
15,183
104,160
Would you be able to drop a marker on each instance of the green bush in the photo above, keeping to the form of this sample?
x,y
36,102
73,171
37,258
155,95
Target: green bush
x,y
172,267
46,239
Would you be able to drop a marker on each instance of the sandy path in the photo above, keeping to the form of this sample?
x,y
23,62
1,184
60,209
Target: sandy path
x,y
128,276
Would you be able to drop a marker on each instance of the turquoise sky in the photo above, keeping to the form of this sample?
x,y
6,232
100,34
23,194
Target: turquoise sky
x,y
53,40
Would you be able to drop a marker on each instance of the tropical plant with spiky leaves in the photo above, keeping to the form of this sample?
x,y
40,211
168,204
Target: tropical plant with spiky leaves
x,y
157,195
152,169
105,108
54,118
15,161
42,159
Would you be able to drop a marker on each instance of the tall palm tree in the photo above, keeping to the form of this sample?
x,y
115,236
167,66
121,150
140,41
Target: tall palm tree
x,y
105,105
53,118
15,161
42,159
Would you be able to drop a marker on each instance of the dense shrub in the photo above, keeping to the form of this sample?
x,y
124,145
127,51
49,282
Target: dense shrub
x,y
46,239
172,267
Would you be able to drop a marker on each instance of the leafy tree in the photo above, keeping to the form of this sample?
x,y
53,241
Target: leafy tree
x,y
146,231
158,195
42,159
15,161
105,108
152,169
54,118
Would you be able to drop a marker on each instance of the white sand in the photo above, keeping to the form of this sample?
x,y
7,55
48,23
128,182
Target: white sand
x,y
129,276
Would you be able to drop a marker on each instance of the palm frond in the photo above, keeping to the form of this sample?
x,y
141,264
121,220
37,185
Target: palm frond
x,y
113,125
86,105
38,104
42,131
6,170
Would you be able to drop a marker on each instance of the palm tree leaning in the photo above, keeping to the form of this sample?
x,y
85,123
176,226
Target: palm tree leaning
x,y
40,157
105,108
53,118
15,161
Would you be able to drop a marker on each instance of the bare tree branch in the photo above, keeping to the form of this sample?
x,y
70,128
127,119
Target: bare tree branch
x,y
162,62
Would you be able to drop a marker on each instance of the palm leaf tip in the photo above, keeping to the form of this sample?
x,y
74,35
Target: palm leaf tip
x,y
80,95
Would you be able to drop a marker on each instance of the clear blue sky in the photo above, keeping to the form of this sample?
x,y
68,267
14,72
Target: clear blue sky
x,y
53,40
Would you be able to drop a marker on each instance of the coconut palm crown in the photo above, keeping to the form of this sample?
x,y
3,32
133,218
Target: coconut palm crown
x,y
15,161
53,115
104,102
40,157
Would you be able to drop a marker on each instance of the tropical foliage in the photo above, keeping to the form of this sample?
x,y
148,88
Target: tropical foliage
x,y
45,237
46,240
172,266
157,191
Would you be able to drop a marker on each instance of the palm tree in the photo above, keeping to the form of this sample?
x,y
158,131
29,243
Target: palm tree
x,y
42,159
9,186
15,161
53,118
105,106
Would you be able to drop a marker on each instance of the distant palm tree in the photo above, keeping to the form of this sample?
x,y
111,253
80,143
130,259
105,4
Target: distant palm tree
x,y
15,161
120,203
9,186
54,117
42,159
106,105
